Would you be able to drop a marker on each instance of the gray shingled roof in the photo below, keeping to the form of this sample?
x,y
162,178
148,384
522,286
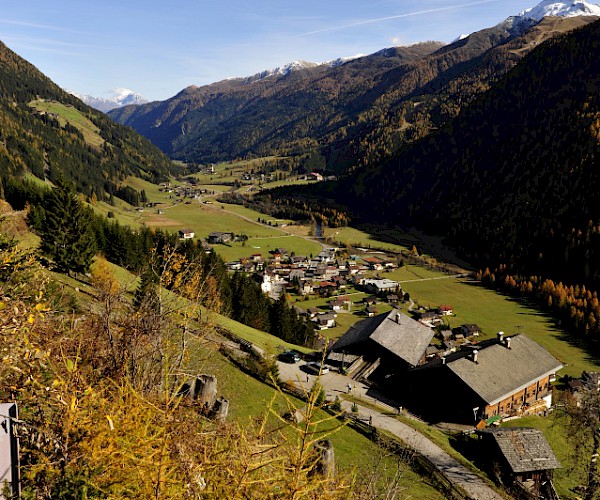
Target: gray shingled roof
x,y
500,371
408,339
525,450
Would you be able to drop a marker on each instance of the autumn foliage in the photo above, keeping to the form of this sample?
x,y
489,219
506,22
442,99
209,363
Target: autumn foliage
x,y
101,415
575,306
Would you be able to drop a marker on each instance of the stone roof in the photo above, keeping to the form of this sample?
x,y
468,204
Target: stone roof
x,y
525,450
406,338
501,371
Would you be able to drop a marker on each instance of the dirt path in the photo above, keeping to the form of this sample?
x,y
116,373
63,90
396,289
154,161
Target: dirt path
x,y
335,384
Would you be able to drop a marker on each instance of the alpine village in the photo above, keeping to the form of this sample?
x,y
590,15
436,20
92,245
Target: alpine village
x,y
370,280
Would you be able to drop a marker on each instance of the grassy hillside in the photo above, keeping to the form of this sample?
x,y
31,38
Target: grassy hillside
x,y
48,133
72,116
96,399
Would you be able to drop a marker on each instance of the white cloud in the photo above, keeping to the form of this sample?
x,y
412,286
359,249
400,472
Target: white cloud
x,y
398,16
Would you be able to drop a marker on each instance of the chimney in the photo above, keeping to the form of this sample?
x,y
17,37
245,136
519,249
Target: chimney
x,y
398,317
507,342
443,360
475,353
500,336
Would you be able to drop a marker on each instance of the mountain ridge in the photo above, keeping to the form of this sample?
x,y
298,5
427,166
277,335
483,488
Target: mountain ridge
x,y
513,178
342,117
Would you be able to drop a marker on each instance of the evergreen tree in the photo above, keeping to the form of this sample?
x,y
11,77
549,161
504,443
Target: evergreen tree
x,y
66,236
281,320
146,294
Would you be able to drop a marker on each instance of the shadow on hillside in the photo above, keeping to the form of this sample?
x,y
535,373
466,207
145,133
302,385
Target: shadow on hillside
x,y
555,327
425,243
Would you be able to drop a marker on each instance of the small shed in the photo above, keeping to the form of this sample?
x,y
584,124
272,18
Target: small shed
x,y
470,330
520,457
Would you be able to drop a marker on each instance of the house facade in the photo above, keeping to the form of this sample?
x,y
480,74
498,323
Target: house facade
x,y
186,234
379,285
497,378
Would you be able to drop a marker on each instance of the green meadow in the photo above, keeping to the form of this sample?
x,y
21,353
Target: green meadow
x,y
68,114
494,312
360,239
235,250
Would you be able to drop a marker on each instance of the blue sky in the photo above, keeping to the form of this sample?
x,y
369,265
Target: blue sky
x,y
158,48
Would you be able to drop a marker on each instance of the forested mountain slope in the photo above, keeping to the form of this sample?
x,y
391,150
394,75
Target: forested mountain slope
x,y
341,117
514,178
48,132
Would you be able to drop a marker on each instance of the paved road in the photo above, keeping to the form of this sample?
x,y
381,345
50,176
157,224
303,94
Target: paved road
x,y
336,384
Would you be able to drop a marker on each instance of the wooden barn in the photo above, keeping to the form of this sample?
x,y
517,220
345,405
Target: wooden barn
x,y
521,459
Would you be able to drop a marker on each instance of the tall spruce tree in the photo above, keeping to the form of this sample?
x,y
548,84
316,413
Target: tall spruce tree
x,y
66,234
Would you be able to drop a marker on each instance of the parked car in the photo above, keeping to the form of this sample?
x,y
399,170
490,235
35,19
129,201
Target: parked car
x,y
289,357
315,367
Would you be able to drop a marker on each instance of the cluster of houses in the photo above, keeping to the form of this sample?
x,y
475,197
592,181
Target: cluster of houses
x,y
322,275
180,193
476,383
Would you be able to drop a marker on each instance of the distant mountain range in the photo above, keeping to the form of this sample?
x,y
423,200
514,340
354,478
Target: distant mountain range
x,y
350,113
121,97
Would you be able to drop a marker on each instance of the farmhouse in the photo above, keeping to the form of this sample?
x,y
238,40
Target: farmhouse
x,y
392,299
371,311
499,378
445,310
470,330
374,263
325,320
378,285
186,234
219,237
429,318
389,342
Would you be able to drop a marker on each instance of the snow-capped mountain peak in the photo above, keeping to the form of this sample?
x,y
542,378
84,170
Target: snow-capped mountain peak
x,y
283,70
342,60
557,8
561,8
120,97
298,66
